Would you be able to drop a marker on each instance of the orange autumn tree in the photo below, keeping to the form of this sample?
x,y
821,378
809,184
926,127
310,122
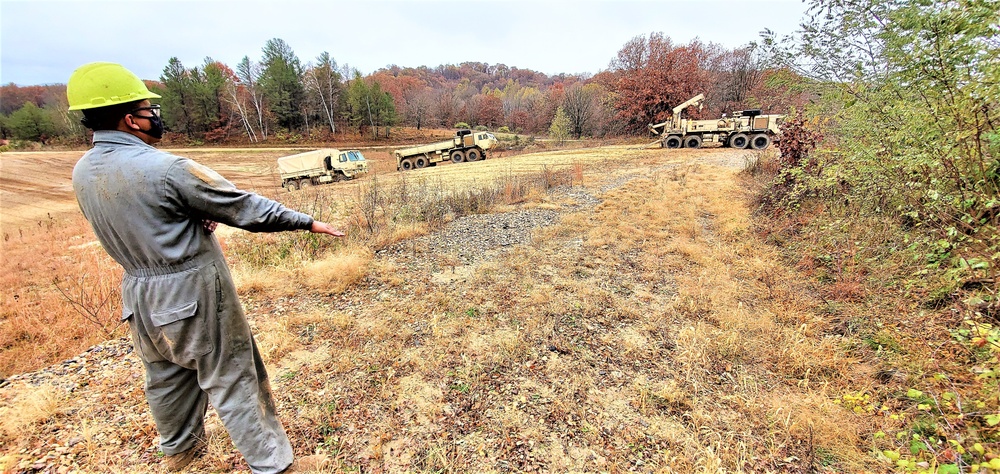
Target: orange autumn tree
x,y
488,109
650,75
410,94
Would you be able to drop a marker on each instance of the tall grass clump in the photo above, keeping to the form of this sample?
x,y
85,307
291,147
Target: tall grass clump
x,y
380,211
383,212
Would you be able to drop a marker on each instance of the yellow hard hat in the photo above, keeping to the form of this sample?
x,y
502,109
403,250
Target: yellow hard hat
x,y
101,84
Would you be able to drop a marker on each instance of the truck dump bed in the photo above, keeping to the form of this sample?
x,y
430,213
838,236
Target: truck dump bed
x,y
310,160
432,148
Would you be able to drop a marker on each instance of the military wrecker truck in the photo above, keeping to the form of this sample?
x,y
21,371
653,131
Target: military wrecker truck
x,y
745,128
326,165
465,146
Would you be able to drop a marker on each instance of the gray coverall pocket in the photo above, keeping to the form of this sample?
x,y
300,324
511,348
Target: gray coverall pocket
x,y
164,317
176,316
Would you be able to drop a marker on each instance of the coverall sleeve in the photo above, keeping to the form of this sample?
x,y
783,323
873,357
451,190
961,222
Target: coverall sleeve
x,y
207,195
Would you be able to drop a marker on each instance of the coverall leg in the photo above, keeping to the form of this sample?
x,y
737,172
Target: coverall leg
x,y
180,405
204,353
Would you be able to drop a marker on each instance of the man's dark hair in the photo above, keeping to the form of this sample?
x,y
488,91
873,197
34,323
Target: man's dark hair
x,y
106,118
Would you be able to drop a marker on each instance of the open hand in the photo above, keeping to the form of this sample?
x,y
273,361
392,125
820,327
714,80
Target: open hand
x,y
324,228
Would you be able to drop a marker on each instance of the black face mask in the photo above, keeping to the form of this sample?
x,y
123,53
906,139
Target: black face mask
x,y
155,121
155,127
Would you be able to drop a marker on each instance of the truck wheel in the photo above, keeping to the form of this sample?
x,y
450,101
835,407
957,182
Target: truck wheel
x,y
473,155
760,141
457,156
693,141
292,185
739,140
406,165
672,141
420,162
305,183
338,177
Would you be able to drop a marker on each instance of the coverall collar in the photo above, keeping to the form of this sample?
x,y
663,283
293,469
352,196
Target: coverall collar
x,y
116,137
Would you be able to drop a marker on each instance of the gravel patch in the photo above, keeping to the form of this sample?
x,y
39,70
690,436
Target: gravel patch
x,y
471,239
74,373
477,238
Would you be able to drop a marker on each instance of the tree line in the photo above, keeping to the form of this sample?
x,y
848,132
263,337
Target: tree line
x,y
279,98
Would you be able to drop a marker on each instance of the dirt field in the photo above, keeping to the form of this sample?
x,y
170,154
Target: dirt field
x,y
36,186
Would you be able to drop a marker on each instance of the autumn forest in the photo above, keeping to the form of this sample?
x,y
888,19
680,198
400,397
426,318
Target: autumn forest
x,y
281,98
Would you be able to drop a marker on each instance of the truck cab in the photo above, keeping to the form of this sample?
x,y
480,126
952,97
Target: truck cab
x,y
350,162
484,140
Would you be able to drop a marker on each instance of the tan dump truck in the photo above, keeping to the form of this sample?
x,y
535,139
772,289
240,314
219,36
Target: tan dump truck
x,y
745,128
326,165
465,146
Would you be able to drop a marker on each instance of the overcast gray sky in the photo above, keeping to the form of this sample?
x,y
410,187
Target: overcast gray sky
x,y
43,41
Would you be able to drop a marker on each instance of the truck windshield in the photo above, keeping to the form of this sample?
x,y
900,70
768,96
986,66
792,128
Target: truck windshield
x,y
355,156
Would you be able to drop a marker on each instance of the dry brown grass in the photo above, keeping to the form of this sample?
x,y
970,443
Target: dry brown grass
x,y
271,281
652,332
732,328
38,324
338,271
27,409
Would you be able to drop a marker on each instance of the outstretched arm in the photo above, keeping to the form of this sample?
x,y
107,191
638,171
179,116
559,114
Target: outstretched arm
x,y
206,195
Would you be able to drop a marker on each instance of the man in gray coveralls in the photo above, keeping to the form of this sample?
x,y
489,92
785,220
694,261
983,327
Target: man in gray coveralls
x,y
154,213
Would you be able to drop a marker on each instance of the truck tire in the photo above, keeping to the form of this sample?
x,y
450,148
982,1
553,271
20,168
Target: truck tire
x,y
292,185
406,165
760,141
338,177
457,156
305,183
420,162
694,141
740,140
473,155
672,141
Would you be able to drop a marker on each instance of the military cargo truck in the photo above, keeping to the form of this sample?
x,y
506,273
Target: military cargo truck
x,y
465,146
744,128
326,165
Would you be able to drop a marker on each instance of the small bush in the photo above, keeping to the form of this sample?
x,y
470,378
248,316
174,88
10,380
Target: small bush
x,y
761,163
461,125
795,166
797,140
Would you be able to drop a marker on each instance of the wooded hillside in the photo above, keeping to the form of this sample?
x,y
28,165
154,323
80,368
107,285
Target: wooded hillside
x,y
281,98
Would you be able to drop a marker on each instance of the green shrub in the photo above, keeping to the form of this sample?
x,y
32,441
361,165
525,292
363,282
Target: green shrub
x,y
31,123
